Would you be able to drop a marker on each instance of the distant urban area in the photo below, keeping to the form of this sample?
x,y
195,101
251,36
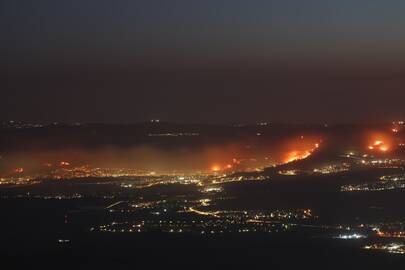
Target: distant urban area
x,y
302,181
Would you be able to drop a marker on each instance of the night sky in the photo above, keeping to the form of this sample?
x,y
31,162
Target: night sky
x,y
202,61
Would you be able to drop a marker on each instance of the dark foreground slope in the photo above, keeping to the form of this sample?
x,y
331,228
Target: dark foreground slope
x,y
192,252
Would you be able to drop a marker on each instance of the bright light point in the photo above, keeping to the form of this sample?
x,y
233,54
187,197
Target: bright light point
x,y
64,163
383,148
371,147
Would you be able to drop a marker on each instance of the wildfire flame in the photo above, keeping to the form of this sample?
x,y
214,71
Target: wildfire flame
x,y
380,142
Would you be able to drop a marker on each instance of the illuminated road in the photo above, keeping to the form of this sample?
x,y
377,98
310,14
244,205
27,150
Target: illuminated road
x,y
114,204
213,214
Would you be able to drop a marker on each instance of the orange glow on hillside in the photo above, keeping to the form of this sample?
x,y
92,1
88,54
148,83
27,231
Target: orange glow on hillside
x,y
380,142
296,155
303,148
19,170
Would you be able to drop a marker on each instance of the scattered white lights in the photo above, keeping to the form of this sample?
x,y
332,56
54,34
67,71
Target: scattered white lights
x,y
351,236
